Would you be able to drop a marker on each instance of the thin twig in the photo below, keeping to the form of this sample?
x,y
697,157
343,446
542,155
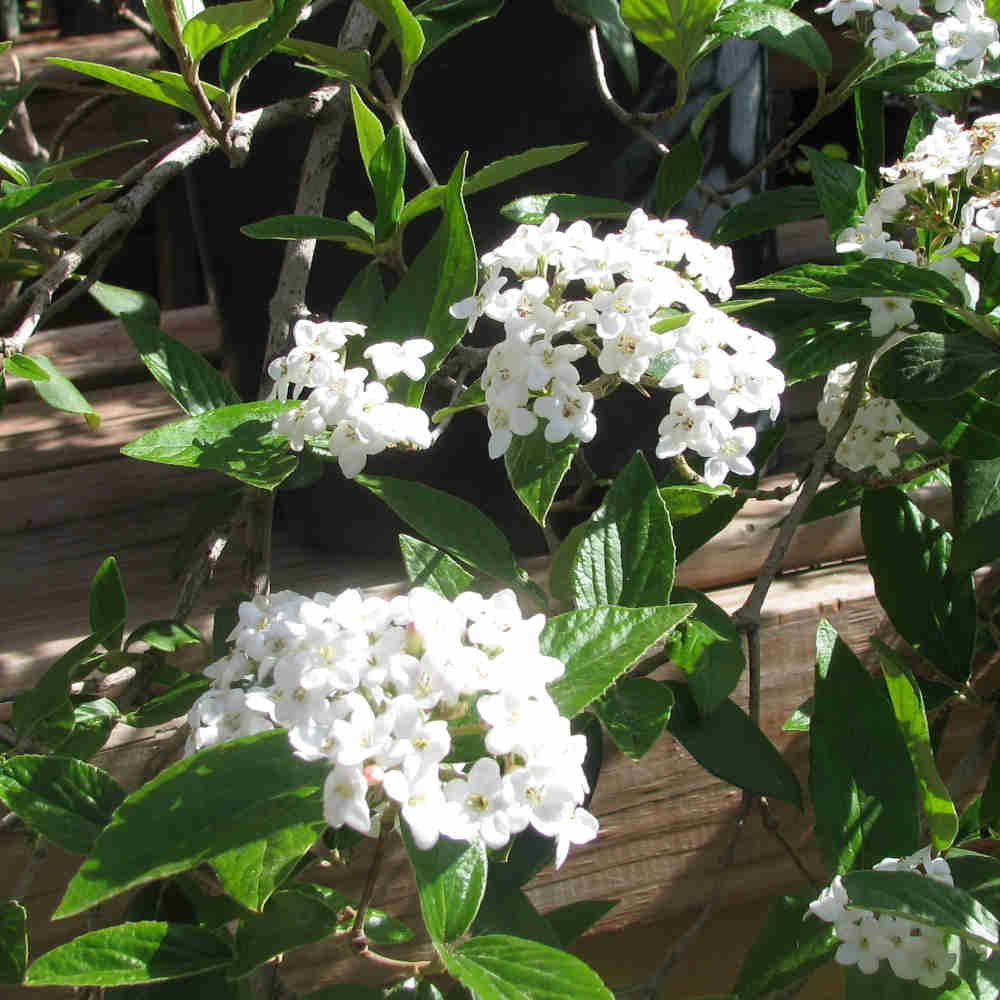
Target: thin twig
x,y
395,109
27,875
93,275
771,825
76,117
127,14
358,927
901,478
201,568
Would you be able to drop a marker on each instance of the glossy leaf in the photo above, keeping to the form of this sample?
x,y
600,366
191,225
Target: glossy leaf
x,y
27,202
861,781
674,29
449,523
921,125
166,635
387,169
840,187
679,171
195,384
635,713
709,649
22,366
369,130
932,608
967,425
125,302
925,900
93,722
729,745
765,211
14,170
146,951
13,942
170,704
442,22
822,340
65,800
217,25
221,798
108,604
427,566
869,117
451,880
933,366
237,440
240,56
136,83
599,644
498,967
535,469
788,948
692,498
310,227
976,514
534,208
573,919
60,393
777,28
186,9
908,705
402,26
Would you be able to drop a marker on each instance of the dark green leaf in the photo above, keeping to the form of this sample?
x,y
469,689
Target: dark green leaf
x,y
709,649
533,208
125,302
108,604
92,725
933,366
766,211
598,645
869,117
571,920
22,366
679,171
921,125
535,469
449,523
800,719
11,97
976,514
977,874
402,26
821,341
861,782
442,22
237,440
364,297
346,991
932,608
387,169
195,385
729,745
186,9
427,566
211,28
451,880
136,83
13,942
967,425
908,704
870,278
506,909
369,130
777,28
379,926
310,227
684,501
165,635
241,55
27,202
171,704
218,799
840,187
674,29
787,949
143,952
635,712
61,394
64,799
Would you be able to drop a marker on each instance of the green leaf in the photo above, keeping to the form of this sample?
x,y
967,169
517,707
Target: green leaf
x,y
136,83
108,604
237,440
387,170
924,900
65,800
58,169
22,366
535,469
143,952
729,745
186,9
11,97
176,81
933,366
215,26
379,926
709,649
221,798
364,297
692,498
625,555
635,712
908,704
777,28
251,873
92,725
976,514
240,56
13,942
427,566
840,187
171,704
310,227
403,28
534,208
707,109
449,523
821,341
765,211
442,22
967,425
125,302
674,29
498,967
679,171
571,920
346,991
606,14
444,272
14,170
869,117
921,125
27,202
451,880
507,909
368,129
166,635
61,394
472,398
194,384
932,608
787,949
869,278
861,781
599,644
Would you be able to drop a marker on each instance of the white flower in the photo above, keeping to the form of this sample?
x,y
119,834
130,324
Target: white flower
x,y
846,10
390,359
344,799
568,410
890,36
731,456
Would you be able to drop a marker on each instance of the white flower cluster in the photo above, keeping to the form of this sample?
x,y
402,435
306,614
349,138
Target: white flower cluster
x,y
914,951
357,413
634,279
878,427
371,685
964,37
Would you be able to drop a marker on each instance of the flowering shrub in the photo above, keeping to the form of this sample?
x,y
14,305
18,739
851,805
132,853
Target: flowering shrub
x,y
444,716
